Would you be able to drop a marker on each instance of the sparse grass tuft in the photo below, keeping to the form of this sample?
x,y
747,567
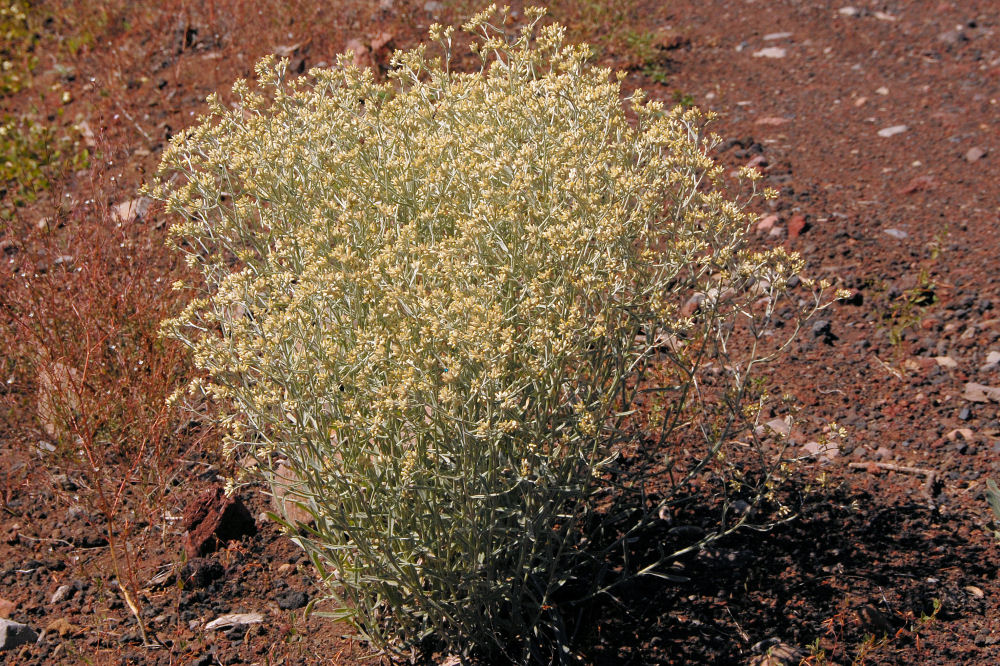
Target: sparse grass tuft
x,y
32,157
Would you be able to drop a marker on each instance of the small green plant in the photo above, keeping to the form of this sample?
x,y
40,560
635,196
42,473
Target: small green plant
x,y
31,156
641,47
936,247
906,310
438,301
993,500
817,654
612,27
925,621
685,100
17,42
835,648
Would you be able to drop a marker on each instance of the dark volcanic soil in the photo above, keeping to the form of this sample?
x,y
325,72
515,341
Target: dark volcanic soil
x,y
879,123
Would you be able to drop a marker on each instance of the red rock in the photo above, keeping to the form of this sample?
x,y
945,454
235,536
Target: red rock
x,y
63,627
920,364
212,519
796,225
284,500
692,305
964,433
287,50
919,184
381,40
975,154
362,57
767,222
6,608
874,621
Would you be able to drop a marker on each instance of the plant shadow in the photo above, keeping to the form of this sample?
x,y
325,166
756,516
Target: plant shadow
x,y
849,568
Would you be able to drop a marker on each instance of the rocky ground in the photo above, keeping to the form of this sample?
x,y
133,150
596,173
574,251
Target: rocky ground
x,y
877,123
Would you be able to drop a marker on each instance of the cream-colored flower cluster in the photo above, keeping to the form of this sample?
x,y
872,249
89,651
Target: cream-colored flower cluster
x,y
429,296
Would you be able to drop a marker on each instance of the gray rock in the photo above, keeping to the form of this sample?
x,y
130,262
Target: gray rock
x,y
232,619
898,234
199,572
821,329
952,37
687,531
76,511
946,362
780,426
892,131
979,393
43,448
821,451
15,634
292,599
130,211
771,52
62,593
693,304
778,654
975,591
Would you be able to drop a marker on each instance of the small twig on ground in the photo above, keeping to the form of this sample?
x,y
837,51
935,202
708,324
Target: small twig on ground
x,y
46,539
744,635
929,475
888,368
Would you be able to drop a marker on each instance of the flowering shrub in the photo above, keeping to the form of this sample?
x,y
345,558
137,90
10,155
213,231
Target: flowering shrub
x,y
436,300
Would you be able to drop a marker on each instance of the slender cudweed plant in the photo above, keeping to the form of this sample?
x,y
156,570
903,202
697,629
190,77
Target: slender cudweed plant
x,y
436,300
